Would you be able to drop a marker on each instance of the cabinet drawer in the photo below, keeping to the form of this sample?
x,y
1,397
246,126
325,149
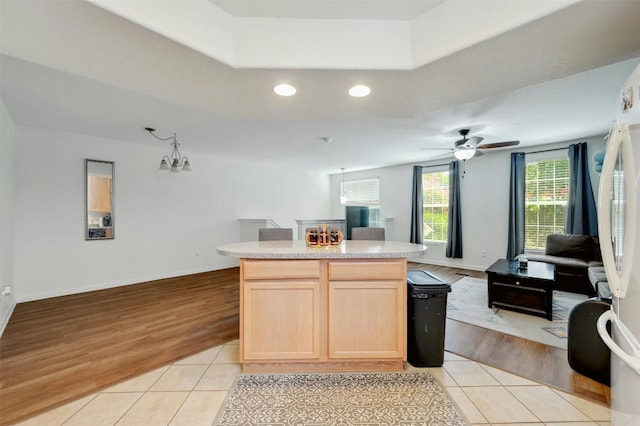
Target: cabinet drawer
x,y
274,269
374,270
509,279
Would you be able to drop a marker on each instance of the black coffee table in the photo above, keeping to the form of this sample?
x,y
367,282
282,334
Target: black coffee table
x,y
529,291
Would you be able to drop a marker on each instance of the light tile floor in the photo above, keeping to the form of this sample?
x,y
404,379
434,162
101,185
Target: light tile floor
x,y
191,391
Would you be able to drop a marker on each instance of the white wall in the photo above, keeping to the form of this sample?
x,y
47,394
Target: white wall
x,y
7,155
484,198
166,224
170,224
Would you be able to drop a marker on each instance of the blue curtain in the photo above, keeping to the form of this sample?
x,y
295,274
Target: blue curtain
x,y
515,244
416,207
454,234
582,216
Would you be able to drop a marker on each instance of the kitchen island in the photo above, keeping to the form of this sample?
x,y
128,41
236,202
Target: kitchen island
x,y
336,308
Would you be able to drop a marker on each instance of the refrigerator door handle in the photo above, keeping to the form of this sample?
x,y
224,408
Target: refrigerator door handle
x,y
632,361
619,139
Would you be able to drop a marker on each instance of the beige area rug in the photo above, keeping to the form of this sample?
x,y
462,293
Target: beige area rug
x,y
414,398
468,301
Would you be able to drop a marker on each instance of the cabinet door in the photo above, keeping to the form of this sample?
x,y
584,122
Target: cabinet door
x,y
281,320
367,319
99,194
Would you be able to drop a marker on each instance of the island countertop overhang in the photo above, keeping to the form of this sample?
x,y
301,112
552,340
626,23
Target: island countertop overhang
x,y
296,249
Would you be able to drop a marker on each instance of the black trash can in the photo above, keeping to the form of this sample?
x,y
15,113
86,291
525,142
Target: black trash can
x,y
426,318
587,353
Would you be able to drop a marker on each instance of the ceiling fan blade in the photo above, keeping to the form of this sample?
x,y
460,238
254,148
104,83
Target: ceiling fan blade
x,y
474,141
499,144
478,153
471,142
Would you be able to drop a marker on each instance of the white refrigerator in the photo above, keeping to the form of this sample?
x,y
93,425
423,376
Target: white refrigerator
x,y
619,231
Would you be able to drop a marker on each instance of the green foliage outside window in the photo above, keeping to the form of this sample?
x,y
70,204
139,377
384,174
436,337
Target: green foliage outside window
x,y
435,205
546,195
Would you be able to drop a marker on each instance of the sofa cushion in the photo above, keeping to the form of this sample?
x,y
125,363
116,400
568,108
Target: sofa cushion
x,y
566,267
603,290
560,261
596,275
570,245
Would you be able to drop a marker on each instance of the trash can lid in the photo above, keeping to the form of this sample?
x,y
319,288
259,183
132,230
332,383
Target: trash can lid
x,y
423,278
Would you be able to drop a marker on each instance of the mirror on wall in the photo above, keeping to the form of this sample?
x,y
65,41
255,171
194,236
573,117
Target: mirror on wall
x,y
99,209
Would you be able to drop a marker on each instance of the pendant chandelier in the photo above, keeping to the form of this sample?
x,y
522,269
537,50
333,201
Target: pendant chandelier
x,y
343,195
173,162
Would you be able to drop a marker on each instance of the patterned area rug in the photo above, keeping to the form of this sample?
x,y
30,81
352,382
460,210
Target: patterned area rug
x,y
414,398
468,301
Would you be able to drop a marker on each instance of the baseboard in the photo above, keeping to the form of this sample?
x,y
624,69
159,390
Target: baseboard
x,y
125,282
6,317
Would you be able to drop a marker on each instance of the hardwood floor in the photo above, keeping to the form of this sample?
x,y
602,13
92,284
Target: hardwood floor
x,y
57,350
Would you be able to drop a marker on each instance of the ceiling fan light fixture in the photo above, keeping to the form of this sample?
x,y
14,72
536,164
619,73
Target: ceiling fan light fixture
x,y
464,153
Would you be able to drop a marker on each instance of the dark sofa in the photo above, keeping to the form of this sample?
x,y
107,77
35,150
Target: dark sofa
x,y
574,256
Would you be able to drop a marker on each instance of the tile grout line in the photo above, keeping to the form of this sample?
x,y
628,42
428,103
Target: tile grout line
x,y
465,394
93,396
194,385
560,394
209,365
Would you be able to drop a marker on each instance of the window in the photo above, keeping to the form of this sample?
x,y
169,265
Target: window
x,y
546,194
364,192
359,192
435,205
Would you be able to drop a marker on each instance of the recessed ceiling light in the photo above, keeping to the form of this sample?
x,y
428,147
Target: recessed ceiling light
x,y
359,91
285,90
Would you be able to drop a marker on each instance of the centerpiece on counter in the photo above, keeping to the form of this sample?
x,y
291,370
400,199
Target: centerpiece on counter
x,y
323,237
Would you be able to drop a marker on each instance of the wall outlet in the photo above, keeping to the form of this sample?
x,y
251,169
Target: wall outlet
x,y
483,253
6,291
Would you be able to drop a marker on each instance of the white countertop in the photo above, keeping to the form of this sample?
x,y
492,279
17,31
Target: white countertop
x,y
297,249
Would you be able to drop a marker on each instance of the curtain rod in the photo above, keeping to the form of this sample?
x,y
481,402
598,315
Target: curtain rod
x,y
547,150
434,165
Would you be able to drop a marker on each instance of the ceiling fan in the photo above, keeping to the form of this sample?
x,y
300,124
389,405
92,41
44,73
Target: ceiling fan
x,y
466,148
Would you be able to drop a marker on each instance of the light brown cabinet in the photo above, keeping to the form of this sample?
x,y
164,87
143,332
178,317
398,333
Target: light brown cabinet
x,y
371,298
281,320
322,315
99,194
